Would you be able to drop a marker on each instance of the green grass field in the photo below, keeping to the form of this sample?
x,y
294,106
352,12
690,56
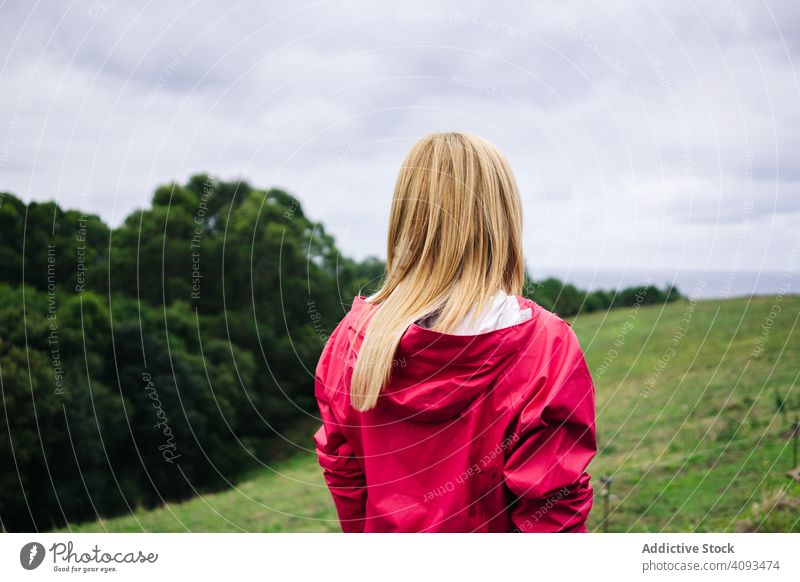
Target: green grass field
x,y
695,404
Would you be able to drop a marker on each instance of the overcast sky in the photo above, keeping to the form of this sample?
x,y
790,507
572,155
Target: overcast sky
x,y
642,134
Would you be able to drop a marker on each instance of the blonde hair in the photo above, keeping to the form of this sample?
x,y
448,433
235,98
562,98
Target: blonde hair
x,y
455,239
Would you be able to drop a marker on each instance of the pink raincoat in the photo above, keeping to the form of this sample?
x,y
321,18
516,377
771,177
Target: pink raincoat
x,y
481,433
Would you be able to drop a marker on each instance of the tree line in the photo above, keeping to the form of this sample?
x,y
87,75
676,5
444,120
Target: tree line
x,y
165,357
567,300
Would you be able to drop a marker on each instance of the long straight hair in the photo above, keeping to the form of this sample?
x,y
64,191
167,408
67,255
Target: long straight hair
x,y
455,239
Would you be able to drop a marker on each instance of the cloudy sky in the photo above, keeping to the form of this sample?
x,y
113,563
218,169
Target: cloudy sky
x,y
642,134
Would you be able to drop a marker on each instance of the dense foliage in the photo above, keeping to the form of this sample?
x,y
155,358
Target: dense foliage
x,y
145,363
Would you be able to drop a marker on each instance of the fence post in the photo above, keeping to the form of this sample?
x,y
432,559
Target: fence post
x,y
606,481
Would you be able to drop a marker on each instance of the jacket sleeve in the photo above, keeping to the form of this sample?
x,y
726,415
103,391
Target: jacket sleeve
x,y
545,471
340,467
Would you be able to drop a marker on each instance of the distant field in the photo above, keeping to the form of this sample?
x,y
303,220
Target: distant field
x,y
695,405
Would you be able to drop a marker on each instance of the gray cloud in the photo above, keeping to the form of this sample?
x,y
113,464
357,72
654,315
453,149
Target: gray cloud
x,y
639,134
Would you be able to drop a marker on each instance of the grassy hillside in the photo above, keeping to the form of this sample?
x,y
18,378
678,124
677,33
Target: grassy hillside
x,y
695,404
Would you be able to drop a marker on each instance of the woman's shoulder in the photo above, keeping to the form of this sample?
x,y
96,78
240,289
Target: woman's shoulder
x,y
548,325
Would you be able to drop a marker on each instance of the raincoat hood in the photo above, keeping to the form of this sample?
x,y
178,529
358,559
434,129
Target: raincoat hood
x,y
435,375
